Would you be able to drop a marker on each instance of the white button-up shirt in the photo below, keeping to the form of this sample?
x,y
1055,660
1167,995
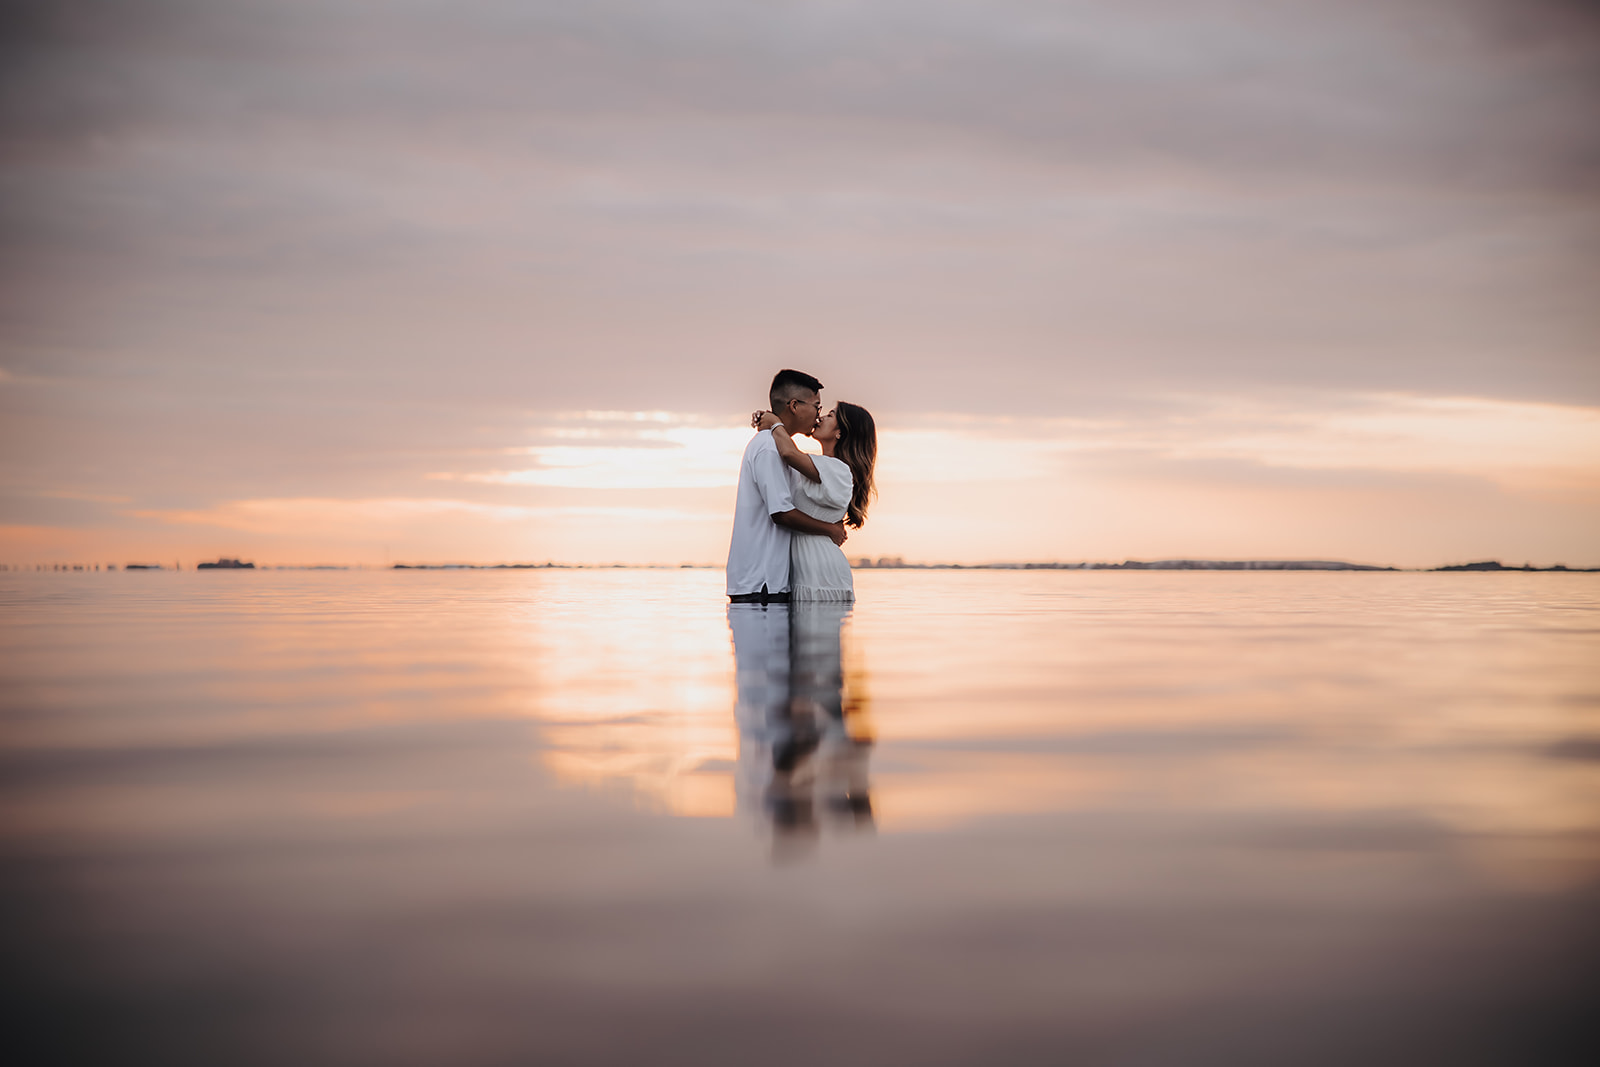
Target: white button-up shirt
x,y
759,552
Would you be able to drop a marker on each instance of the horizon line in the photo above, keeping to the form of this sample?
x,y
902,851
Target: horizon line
x,y
858,563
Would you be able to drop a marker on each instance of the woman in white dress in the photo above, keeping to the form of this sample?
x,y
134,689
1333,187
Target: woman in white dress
x,y
835,485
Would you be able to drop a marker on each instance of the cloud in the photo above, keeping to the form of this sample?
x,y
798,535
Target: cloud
x,y
285,515
1517,443
257,250
1304,85
554,197
1506,440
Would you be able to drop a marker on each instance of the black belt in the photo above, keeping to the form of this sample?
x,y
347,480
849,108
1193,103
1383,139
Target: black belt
x,y
762,597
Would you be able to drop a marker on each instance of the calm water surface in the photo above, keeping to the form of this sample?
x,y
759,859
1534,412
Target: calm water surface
x,y
985,817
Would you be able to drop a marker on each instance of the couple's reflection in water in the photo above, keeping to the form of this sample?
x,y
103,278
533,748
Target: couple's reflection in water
x,y
805,730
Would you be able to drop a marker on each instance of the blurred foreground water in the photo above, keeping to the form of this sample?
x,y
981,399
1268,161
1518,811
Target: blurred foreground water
x,y
983,817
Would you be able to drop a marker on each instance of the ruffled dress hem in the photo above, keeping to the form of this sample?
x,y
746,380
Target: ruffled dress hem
x,y
810,592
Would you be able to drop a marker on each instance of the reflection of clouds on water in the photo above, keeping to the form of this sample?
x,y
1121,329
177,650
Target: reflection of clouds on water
x,y
1140,817
804,737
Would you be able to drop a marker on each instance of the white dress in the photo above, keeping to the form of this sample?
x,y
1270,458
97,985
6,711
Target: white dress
x,y
818,569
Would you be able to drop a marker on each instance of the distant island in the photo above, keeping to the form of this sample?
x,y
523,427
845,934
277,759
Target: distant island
x,y
898,563
533,566
1496,565
1490,566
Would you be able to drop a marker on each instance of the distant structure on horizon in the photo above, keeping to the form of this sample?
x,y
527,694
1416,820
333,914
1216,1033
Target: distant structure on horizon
x,y
1496,565
897,563
881,563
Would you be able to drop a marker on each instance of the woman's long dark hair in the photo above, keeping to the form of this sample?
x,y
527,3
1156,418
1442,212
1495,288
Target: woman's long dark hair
x,y
857,446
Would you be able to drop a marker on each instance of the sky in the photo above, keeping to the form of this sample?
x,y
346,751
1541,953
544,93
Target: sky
x,y
363,282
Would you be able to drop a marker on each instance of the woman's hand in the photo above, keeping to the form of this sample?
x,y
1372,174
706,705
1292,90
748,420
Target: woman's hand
x,y
763,420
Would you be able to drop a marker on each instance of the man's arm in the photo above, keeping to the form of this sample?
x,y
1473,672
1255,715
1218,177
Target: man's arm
x,y
799,522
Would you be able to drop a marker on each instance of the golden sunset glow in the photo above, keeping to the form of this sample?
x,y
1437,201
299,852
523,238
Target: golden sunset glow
x,y
1204,476
531,326
410,653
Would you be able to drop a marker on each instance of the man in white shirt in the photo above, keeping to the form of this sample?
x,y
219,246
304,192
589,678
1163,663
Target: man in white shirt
x,y
758,557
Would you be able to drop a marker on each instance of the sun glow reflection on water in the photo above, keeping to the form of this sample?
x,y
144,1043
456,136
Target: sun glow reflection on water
x,y
593,794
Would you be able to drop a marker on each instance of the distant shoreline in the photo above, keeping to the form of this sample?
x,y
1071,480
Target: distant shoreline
x,y
896,564
893,563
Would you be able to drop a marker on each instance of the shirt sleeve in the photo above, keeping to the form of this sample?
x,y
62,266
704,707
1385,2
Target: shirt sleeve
x,y
834,489
771,482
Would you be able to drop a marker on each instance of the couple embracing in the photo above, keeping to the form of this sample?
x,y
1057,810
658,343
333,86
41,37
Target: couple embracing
x,y
793,507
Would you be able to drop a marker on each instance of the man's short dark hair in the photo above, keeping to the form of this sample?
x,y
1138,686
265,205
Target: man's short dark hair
x,y
788,384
